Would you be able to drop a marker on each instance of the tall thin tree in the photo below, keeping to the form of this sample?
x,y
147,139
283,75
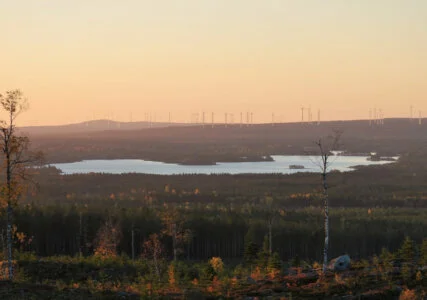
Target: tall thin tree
x,y
271,215
325,147
16,159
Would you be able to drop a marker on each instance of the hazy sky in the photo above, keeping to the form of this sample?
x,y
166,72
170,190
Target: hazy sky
x,y
76,60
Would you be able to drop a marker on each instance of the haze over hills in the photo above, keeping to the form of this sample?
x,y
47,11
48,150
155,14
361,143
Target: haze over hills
x,y
392,126
96,125
198,144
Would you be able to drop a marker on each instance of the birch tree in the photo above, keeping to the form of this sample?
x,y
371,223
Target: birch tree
x,y
325,146
153,252
173,224
16,159
271,215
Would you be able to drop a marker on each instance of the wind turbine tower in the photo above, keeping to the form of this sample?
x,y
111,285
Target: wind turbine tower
x,y
302,114
370,117
375,115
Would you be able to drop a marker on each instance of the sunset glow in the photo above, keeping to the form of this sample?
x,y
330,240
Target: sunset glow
x,y
80,60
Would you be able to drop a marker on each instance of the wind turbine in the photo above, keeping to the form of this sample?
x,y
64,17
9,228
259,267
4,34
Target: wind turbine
x,y
302,114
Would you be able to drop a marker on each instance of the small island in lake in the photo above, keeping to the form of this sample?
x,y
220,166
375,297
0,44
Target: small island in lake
x,y
296,167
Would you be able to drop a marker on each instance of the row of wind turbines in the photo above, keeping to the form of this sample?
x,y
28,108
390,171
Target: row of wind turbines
x,y
376,117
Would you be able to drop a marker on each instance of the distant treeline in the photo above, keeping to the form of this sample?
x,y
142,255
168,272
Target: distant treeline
x,y
197,144
401,184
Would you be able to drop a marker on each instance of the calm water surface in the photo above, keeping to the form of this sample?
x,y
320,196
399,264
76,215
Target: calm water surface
x,y
279,165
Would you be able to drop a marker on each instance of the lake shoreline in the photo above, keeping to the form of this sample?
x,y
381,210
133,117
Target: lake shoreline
x,y
275,164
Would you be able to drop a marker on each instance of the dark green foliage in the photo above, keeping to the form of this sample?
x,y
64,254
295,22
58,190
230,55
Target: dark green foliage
x,y
274,262
251,253
408,251
185,272
263,255
217,232
296,261
386,256
208,272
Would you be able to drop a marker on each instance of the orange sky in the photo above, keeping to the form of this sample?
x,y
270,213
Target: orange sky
x,y
76,60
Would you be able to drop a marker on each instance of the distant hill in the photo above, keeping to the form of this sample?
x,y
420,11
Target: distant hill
x,y
196,144
394,127
95,125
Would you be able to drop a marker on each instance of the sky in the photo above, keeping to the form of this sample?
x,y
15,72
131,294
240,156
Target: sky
x,y
91,59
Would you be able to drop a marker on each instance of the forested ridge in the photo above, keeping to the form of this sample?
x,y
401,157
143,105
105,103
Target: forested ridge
x,y
207,144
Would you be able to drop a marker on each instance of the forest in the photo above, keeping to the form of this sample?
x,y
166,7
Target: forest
x,y
184,236
141,236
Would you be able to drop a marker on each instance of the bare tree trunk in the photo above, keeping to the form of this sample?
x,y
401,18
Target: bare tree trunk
x,y
326,211
9,209
325,152
9,241
174,242
133,244
80,235
270,236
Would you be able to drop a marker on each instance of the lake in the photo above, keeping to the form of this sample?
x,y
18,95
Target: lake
x,y
280,164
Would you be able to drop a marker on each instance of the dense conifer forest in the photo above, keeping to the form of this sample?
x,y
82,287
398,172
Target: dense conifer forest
x,y
134,235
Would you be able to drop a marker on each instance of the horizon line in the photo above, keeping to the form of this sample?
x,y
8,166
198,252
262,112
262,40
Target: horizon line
x,y
222,123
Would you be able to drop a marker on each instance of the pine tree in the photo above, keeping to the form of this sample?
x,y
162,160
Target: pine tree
x,y
274,262
407,251
264,254
386,259
251,250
